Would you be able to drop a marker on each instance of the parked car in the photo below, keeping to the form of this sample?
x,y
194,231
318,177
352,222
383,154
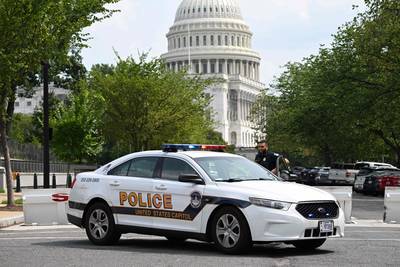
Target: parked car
x,y
298,170
368,171
322,177
315,176
342,173
375,184
308,176
369,164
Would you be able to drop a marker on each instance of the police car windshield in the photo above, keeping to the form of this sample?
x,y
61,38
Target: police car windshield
x,y
232,169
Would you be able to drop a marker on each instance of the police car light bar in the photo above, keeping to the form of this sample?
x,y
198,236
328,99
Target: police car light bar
x,y
192,147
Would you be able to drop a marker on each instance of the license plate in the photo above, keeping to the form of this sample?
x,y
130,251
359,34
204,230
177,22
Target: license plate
x,y
326,226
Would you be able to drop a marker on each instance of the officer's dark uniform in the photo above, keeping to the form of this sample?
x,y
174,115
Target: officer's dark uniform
x,y
267,160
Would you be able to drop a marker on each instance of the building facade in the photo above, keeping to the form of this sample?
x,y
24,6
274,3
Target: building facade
x,y
210,37
27,105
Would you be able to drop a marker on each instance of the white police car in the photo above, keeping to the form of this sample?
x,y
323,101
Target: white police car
x,y
217,197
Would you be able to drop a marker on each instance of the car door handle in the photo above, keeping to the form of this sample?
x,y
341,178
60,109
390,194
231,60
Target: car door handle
x,y
161,187
115,183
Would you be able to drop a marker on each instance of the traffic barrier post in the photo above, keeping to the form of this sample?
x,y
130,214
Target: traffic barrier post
x,y
18,185
35,182
54,182
69,180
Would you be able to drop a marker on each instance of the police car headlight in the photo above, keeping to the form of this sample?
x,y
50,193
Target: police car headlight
x,y
273,204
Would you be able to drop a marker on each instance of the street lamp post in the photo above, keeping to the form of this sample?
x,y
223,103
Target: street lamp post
x,y
46,137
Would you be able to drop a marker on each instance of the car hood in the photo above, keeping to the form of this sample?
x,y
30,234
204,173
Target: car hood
x,y
276,190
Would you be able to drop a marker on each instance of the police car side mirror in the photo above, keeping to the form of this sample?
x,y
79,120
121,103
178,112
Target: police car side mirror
x,y
191,178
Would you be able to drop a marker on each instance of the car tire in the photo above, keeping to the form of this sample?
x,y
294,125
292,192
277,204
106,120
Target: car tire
x,y
309,244
100,226
230,232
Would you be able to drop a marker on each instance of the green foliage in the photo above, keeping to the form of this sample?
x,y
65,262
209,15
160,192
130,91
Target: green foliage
x,y
23,130
76,128
343,104
18,201
146,105
33,33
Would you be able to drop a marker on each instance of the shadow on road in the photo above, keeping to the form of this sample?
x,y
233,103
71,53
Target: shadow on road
x,y
193,248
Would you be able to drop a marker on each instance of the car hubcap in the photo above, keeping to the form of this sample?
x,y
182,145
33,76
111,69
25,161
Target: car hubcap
x,y
228,230
98,224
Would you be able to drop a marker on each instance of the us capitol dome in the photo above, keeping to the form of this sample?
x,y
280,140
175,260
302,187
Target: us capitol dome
x,y
210,37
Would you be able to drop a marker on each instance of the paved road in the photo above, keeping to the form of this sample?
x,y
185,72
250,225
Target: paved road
x,y
367,207
70,247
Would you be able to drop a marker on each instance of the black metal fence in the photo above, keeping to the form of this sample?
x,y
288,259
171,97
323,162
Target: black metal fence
x,y
37,166
29,158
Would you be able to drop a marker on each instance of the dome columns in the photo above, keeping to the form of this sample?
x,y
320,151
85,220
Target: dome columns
x,y
245,68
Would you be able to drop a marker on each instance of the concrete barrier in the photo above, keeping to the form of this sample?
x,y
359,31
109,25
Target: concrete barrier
x,y
392,205
344,195
45,206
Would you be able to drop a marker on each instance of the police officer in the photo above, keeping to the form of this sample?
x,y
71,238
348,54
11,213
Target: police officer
x,y
265,158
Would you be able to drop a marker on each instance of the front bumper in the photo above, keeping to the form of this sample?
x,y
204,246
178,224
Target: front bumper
x,y
270,225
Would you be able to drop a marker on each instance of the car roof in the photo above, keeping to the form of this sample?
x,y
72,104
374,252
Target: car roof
x,y
160,153
192,154
374,163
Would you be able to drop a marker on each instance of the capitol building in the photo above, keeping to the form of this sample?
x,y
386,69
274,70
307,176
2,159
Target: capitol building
x,y
210,37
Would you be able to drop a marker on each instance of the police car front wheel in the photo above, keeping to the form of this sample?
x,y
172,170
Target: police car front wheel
x,y
100,225
230,231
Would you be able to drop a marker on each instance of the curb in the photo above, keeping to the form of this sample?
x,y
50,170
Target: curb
x,y
11,221
371,224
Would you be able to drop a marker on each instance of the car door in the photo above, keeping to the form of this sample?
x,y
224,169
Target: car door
x,y
182,208
131,186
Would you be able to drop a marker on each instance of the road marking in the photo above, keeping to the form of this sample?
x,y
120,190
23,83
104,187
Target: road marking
x,y
368,200
39,232
366,239
349,231
38,227
41,238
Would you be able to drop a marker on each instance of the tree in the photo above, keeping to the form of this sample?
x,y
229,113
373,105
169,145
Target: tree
x,y
77,135
34,33
343,103
146,105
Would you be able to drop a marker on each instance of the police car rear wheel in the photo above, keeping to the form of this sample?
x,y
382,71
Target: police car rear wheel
x,y
230,232
309,244
100,226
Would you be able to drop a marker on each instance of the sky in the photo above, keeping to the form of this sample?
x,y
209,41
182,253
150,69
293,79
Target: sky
x,y
284,30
